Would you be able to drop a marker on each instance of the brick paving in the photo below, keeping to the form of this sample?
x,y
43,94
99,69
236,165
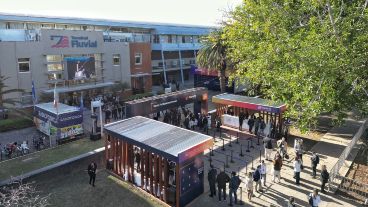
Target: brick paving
x,y
276,194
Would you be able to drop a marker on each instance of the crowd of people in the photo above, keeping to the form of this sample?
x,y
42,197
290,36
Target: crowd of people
x,y
257,180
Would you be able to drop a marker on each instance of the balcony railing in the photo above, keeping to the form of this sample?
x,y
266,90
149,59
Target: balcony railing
x,y
20,35
176,46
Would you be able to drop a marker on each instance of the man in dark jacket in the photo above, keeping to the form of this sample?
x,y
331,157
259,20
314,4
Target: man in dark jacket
x,y
315,162
233,187
257,179
241,120
251,123
212,180
324,178
222,179
92,173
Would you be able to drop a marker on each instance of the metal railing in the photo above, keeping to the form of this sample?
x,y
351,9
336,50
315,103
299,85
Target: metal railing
x,y
351,185
335,177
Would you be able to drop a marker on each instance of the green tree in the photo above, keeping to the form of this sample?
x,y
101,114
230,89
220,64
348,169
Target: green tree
x,y
4,91
310,54
212,55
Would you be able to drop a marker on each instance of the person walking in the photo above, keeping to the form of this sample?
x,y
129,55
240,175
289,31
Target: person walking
x,y
257,123
267,143
297,170
257,179
212,180
314,199
92,167
222,179
233,187
315,162
325,176
241,120
277,164
249,185
263,170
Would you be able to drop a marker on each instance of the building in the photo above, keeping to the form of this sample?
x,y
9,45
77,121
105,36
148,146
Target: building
x,y
85,57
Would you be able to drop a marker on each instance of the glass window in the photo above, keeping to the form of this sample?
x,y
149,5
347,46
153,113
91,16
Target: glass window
x,y
53,58
156,39
55,76
164,38
23,65
54,67
138,58
116,59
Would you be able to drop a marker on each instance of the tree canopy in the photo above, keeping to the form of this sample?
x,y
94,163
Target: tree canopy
x,y
310,54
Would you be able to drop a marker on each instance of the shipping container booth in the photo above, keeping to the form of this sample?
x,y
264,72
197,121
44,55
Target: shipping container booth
x,y
154,104
160,158
229,106
62,123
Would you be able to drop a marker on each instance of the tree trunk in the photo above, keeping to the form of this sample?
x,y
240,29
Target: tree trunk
x,y
222,80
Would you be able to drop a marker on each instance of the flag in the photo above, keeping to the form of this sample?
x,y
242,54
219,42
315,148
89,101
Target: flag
x,y
56,99
34,99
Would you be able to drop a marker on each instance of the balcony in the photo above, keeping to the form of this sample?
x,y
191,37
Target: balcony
x,y
176,46
172,64
19,35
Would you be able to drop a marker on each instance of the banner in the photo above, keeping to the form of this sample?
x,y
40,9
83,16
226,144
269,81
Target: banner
x,y
71,131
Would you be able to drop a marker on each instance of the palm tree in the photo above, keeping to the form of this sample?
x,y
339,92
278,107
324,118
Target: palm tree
x,y
212,55
3,92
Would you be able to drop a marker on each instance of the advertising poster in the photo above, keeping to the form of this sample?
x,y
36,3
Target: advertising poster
x,y
80,68
71,131
43,126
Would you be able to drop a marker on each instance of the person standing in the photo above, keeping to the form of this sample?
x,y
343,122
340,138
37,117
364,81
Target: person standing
x,y
241,120
92,173
324,178
263,170
267,143
212,181
315,162
233,187
249,185
257,179
277,164
314,199
257,122
297,169
222,179
251,123
138,160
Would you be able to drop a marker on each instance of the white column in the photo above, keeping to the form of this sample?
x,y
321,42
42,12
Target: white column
x,y
181,68
163,65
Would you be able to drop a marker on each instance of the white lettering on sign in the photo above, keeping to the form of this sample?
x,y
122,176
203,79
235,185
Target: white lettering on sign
x,y
165,103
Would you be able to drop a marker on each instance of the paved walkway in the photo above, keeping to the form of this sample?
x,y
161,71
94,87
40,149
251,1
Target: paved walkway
x,y
329,149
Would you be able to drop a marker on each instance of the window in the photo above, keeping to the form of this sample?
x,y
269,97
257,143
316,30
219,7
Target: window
x,y
138,58
23,65
116,59
53,58
54,67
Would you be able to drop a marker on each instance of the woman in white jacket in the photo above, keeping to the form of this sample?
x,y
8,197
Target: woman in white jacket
x,y
297,170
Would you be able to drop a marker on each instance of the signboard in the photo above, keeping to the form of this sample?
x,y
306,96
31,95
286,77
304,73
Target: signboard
x,y
80,68
71,131
153,105
194,151
61,120
43,126
191,181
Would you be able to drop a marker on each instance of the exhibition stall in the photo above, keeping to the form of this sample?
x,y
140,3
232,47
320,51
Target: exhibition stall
x,y
160,158
230,106
62,123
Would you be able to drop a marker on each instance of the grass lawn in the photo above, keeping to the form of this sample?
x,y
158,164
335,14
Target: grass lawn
x,y
24,164
73,190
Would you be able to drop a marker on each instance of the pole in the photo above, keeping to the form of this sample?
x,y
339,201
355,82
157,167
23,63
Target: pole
x,y
237,137
93,124
223,144
227,161
101,125
251,143
231,156
260,155
248,147
211,151
252,163
257,139
230,145
241,151
246,168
